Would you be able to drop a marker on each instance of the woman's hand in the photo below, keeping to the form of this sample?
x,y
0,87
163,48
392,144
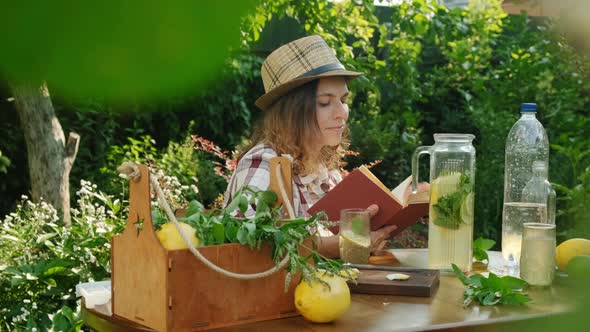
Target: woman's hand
x,y
379,237
328,245
422,186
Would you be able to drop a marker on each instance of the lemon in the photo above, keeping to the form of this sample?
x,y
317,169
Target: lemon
x,y
467,209
170,238
444,185
570,248
322,304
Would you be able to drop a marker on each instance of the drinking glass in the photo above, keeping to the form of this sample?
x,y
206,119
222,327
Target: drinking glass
x,y
537,256
355,236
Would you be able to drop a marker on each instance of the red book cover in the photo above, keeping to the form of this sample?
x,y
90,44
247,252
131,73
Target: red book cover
x,y
408,216
361,188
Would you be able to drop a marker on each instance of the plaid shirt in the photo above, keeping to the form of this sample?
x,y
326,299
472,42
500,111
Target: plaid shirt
x,y
253,170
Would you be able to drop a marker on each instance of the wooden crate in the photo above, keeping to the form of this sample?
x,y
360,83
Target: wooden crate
x,y
171,290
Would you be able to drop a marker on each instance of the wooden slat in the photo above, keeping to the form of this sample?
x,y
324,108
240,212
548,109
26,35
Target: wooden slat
x,y
213,300
139,263
286,170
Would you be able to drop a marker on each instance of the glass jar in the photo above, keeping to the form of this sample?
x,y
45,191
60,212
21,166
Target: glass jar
x,y
355,236
537,260
452,179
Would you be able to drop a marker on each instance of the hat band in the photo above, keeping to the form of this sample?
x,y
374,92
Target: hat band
x,y
323,69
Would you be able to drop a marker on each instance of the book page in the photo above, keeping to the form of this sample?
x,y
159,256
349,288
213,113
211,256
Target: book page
x,y
378,182
400,190
419,197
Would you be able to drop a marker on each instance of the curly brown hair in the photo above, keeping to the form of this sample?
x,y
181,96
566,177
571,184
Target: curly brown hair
x,y
290,126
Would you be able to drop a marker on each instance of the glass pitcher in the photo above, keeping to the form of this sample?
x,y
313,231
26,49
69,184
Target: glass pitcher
x,y
452,178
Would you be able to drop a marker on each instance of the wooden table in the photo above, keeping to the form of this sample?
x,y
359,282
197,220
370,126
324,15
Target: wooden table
x,y
443,311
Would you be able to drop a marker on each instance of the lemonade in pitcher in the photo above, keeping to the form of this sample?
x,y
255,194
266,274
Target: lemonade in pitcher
x,y
450,232
452,175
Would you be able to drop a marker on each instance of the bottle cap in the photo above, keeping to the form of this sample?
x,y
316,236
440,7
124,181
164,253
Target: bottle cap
x,y
528,107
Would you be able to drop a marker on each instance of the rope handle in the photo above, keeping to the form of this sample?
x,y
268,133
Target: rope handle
x,y
131,171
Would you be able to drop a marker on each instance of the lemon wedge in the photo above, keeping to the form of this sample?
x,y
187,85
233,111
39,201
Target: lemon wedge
x,y
397,276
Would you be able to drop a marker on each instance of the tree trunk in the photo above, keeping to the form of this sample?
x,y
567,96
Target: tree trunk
x,y
50,158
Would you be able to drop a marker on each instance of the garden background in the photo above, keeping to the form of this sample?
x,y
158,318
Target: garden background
x,y
427,70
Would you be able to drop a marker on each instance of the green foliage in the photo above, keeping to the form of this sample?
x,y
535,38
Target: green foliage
x,y
429,69
4,163
181,163
120,51
41,260
492,290
480,248
221,112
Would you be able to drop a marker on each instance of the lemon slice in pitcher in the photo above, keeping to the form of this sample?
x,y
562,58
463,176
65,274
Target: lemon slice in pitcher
x,y
467,209
443,186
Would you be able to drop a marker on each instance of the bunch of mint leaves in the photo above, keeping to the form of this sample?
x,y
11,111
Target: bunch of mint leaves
x,y
480,247
448,207
492,290
286,236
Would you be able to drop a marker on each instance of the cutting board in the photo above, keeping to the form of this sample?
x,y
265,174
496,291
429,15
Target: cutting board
x,y
421,283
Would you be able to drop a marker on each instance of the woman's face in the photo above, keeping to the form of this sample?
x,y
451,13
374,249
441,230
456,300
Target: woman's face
x,y
331,110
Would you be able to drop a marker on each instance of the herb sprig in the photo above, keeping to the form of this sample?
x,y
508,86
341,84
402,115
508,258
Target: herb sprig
x,y
448,207
493,289
480,247
286,236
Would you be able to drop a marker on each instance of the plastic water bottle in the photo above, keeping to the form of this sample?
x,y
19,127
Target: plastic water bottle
x,y
526,144
539,191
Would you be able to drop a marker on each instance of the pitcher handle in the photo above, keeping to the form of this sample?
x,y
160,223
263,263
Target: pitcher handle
x,y
417,153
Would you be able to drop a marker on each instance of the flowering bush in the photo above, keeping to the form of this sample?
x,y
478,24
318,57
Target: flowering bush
x,y
41,260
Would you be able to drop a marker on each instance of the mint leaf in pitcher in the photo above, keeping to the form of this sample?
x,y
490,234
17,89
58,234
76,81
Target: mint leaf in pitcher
x,y
454,202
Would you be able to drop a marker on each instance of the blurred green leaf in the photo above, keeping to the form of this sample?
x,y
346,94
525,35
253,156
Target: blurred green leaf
x,y
120,50
480,247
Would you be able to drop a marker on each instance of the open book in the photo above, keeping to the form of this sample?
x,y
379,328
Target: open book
x,y
361,188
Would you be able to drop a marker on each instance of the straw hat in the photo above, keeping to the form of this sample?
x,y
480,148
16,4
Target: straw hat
x,y
296,63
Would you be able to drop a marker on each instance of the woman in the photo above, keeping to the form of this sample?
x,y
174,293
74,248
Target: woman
x,y
305,113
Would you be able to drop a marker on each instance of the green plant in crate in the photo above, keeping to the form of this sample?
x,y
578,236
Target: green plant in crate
x,y
267,225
